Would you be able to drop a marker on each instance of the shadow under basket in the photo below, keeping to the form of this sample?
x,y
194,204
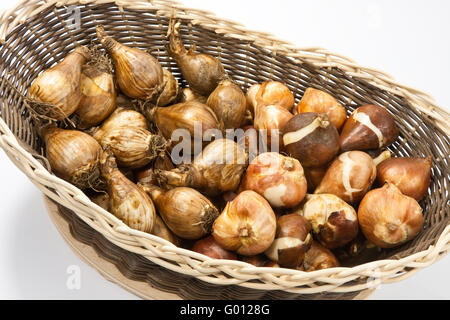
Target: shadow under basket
x,y
36,35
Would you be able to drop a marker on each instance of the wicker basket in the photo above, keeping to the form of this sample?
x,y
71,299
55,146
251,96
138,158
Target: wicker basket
x,y
37,34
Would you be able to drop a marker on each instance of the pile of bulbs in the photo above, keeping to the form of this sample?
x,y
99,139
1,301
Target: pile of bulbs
x,y
332,188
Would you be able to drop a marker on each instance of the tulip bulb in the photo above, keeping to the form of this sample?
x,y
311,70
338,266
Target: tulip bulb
x,y
314,177
73,156
321,102
139,74
260,261
185,211
334,222
292,241
277,178
272,118
229,104
312,139
218,169
274,93
209,247
127,201
56,93
349,177
369,127
411,175
319,258
247,226
388,218
202,72
98,97
250,97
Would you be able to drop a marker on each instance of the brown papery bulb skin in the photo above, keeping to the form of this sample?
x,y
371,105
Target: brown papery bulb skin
x,y
292,240
98,97
369,127
321,102
186,94
185,211
160,230
274,93
170,90
184,116
138,73
209,247
334,221
277,178
121,117
73,156
411,175
247,226
146,175
259,261
127,201
312,139
388,218
59,88
349,177
271,119
133,147
202,72
218,169
229,104
250,97
319,258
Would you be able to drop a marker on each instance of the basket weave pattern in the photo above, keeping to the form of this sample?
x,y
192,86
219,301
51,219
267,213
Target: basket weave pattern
x,y
38,35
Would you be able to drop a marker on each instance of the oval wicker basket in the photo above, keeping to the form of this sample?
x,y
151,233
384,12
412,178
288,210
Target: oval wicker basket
x,y
37,34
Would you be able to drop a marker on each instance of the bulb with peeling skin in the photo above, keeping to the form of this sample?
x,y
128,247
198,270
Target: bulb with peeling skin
x,y
311,138
292,240
247,226
349,177
319,258
271,119
277,178
274,93
334,222
369,127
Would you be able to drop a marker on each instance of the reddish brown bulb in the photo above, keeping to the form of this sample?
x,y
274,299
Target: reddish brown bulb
x,y
411,175
209,247
369,127
311,138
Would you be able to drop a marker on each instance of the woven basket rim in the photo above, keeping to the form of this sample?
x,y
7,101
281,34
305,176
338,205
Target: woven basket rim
x,y
334,280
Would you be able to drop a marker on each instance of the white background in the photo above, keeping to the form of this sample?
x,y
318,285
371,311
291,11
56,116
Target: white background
x,y
407,39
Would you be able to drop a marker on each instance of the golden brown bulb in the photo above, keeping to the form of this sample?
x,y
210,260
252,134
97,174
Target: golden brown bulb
x,y
98,97
274,93
229,104
218,169
73,156
138,73
202,72
170,90
271,119
56,93
127,201
185,211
